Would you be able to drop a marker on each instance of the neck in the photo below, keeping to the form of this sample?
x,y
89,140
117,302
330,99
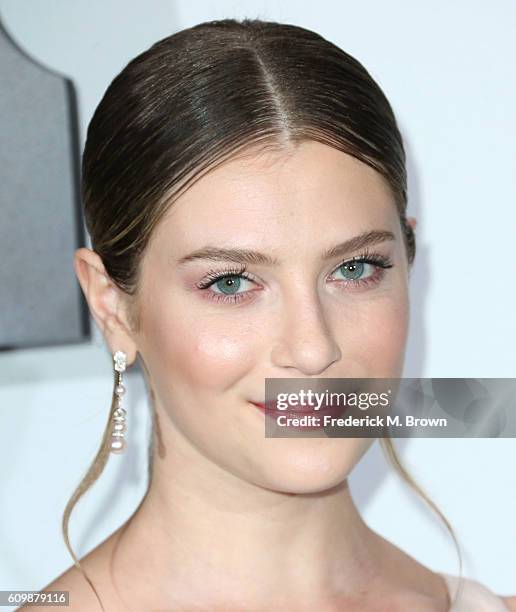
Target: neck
x,y
206,531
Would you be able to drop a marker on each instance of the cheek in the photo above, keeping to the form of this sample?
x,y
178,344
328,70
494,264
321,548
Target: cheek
x,y
218,357
211,353
385,341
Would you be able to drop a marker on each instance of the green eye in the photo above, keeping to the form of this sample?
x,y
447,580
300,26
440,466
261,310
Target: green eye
x,y
353,270
228,285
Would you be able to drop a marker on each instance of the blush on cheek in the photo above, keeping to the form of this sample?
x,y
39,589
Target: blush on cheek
x,y
217,357
219,346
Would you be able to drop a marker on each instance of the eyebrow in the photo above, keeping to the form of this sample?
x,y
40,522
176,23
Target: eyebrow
x,y
246,256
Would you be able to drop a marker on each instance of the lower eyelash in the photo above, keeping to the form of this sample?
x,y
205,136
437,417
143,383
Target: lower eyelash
x,y
220,297
376,259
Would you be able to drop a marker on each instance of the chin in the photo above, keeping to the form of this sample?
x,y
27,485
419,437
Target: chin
x,y
311,465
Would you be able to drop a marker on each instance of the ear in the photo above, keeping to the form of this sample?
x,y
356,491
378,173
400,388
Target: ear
x,y
412,221
106,302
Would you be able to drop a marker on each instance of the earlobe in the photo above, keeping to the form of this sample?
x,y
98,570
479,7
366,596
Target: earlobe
x,y
412,221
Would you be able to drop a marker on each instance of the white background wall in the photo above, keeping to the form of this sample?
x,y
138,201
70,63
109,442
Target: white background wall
x,y
448,70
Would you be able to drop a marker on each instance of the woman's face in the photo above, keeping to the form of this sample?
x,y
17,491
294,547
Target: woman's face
x,y
209,349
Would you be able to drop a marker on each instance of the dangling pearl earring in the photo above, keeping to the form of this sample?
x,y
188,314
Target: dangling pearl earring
x,y
119,426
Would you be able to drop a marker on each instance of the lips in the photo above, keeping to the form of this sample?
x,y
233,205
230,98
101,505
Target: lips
x,y
272,407
296,410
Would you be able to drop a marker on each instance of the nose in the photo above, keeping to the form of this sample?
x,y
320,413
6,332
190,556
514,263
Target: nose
x,y
306,342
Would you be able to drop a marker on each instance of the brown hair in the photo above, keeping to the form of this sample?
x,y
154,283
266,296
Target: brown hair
x,y
200,97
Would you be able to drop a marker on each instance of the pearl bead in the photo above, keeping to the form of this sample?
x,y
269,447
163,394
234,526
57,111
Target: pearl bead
x,y
120,390
120,426
117,445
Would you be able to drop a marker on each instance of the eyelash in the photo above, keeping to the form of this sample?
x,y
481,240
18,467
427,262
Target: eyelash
x,y
376,259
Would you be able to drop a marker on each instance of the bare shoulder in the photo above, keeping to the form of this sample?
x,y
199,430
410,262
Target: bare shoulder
x,y
82,597
510,602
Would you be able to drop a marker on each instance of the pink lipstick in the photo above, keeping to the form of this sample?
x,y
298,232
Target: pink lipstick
x,y
269,408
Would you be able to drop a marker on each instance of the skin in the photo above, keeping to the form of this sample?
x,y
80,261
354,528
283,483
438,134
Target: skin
x,y
234,520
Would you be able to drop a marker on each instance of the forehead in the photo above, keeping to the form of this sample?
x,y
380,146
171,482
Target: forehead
x,y
315,188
